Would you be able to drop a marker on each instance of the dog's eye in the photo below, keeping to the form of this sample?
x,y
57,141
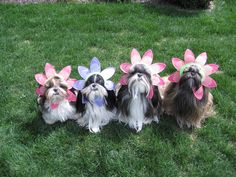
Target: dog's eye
x,y
63,86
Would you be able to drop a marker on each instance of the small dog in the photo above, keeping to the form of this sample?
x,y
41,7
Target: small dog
x,y
96,100
54,95
187,96
138,97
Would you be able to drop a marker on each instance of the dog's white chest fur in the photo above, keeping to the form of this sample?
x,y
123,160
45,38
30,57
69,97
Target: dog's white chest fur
x,y
95,117
63,112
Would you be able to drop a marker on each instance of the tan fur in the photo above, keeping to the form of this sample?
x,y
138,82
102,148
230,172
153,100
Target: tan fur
x,y
199,113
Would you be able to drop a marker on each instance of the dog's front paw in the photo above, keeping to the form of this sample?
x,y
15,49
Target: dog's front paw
x,y
94,130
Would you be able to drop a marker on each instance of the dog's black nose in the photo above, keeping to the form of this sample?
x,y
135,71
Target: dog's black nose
x,y
93,85
55,89
193,73
139,75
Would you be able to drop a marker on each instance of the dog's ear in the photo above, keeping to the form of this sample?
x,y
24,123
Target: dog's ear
x,y
124,99
111,99
80,106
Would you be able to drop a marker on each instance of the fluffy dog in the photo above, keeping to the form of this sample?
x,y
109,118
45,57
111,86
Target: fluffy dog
x,y
96,100
186,96
55,98
138,98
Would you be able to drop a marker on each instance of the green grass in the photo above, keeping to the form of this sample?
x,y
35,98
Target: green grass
x,y
31,35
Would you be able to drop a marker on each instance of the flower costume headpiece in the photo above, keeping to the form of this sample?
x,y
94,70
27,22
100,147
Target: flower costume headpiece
x,y
51,72
146,60
205,71
95,68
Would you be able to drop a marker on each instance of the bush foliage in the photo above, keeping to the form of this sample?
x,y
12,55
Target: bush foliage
x,y
191,4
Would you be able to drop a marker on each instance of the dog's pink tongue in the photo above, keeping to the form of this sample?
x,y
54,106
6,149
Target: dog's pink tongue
x,y
54,105
198,93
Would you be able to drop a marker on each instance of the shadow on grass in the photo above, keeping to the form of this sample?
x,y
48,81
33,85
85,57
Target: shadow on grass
x,y
167,128
116,132
4,168
38,128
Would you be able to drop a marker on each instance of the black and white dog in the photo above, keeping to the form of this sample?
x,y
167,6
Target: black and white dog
x,y
96,100
138,97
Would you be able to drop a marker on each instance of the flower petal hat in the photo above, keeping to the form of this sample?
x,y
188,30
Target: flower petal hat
x,y
51,72
146,60
95,68
205,70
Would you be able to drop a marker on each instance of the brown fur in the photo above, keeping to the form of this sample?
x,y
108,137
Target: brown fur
x,y
180,102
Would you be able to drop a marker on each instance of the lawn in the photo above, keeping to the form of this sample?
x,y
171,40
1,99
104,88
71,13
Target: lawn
x,y
63,34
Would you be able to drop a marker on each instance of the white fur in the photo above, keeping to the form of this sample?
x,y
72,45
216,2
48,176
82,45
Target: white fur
x,y
63,112
138,108
95,116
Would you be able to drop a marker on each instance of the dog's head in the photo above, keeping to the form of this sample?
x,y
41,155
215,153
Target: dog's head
x,y
139,79
94,87
191,77
56,88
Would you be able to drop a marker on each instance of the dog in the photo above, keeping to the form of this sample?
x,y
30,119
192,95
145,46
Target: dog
x,y
186,95
56,100
96,99
138,97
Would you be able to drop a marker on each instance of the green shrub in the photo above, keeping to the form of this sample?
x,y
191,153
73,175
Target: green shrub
x,y
191,4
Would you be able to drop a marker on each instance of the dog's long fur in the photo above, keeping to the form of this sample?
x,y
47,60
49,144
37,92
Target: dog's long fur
x,y
92,115
134,108
180,102
56,92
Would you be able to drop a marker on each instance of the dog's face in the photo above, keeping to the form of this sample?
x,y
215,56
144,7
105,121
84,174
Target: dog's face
x,y
139,80
56,89
191,78
94,87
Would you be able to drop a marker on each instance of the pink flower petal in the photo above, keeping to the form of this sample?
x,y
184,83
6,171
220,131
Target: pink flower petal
x,y
151,93
162,82
210,69
178,63
174,77
71,96
157,81
147,57
198,93
40,78
209,82
135,56
70,83
49,70
202,58
65,72
125,67
40,90
158,67
189,56
124,79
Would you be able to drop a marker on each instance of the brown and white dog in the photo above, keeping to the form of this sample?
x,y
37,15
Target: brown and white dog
x,y
55,97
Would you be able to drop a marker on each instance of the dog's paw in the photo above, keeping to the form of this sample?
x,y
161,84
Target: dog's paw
x,y
95,130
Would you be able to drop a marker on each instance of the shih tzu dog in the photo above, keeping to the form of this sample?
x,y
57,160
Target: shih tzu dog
x,y
186,96
138,97
55,97
96,100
